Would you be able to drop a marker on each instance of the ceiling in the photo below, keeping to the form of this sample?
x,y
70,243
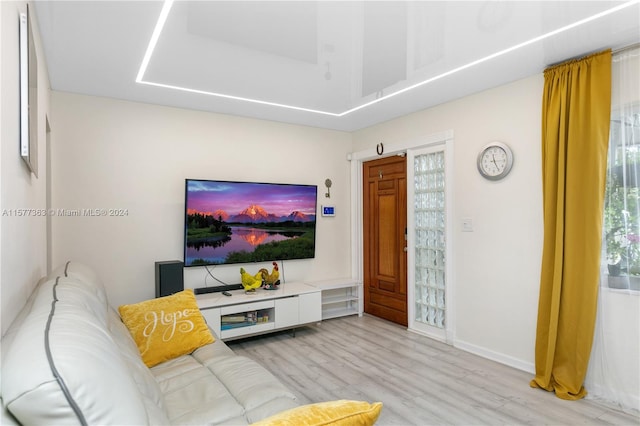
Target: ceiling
x,y
333,64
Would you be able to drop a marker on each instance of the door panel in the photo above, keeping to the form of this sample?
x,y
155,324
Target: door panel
x,y
386,228
385,222
378,298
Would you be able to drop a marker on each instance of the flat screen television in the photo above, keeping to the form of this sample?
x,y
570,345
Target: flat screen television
x,y
241,222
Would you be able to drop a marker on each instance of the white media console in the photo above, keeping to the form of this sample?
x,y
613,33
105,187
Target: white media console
x,y
292,305
246,314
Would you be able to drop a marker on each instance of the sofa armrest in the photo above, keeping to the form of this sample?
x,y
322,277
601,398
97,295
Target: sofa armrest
x,y
6,419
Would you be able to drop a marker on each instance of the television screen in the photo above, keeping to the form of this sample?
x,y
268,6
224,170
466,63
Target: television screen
x,y
241,222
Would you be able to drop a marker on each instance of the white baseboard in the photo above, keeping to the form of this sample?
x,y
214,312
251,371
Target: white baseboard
x,y
496,356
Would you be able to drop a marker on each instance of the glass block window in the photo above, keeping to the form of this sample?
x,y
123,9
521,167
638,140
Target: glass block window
x,y
429,189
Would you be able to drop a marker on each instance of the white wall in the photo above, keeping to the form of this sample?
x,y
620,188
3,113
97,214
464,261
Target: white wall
x,y
23,249
116,154
497,266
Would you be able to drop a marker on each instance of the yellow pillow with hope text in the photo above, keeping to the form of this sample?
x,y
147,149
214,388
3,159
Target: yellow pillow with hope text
x,y
166,327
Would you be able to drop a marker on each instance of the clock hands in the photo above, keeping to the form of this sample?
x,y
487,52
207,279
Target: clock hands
x,y
494,161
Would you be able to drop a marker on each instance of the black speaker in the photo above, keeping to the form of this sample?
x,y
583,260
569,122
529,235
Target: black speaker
x,y
169,277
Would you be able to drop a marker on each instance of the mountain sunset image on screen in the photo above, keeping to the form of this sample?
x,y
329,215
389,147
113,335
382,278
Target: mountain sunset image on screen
x,y
242,222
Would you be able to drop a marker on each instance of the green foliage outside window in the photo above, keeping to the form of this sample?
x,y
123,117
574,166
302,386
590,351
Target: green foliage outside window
x,y
622,212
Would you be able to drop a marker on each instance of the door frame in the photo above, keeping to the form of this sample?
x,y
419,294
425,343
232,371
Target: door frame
x,y
357,263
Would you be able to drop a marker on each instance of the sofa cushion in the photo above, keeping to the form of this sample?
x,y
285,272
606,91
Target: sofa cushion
x,y
335,413
249,382
193,394
270,408
62,366
213,385
166,327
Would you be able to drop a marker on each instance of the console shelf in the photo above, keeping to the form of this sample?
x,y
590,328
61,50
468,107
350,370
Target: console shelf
x,y
340,297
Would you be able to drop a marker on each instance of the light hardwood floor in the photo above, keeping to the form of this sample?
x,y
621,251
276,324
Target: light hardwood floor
x,y
419,380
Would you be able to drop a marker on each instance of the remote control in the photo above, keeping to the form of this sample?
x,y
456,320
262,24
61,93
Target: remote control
x,y
226,293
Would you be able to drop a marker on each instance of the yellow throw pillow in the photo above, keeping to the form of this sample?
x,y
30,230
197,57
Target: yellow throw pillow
x,y
166,327
342,412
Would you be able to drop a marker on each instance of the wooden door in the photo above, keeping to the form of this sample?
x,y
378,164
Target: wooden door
x,y
384,235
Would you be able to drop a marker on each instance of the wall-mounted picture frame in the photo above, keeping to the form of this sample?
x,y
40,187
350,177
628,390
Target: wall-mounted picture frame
x,y
28,94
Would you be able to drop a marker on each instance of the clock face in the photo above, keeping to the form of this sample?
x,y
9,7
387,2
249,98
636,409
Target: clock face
x,y
495,161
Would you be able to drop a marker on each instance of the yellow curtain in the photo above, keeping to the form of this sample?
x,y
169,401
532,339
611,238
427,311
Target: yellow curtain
x,y
576,107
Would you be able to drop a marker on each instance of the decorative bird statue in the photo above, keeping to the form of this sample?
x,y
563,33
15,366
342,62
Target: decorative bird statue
x,y
271,280
250,282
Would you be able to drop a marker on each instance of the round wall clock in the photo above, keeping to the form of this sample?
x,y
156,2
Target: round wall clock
x,y
495,161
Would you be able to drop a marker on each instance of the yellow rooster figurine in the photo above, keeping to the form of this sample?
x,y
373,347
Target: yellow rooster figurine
x,y
272,280
250,282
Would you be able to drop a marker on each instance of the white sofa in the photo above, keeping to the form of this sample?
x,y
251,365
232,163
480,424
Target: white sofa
x,y
68,359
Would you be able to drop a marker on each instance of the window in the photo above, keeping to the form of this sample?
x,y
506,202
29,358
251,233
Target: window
x,y
614,371
429,268
621,233
430,255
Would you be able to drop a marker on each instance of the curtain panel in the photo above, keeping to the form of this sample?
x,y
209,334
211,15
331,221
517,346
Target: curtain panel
x,y
614,366
576,107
